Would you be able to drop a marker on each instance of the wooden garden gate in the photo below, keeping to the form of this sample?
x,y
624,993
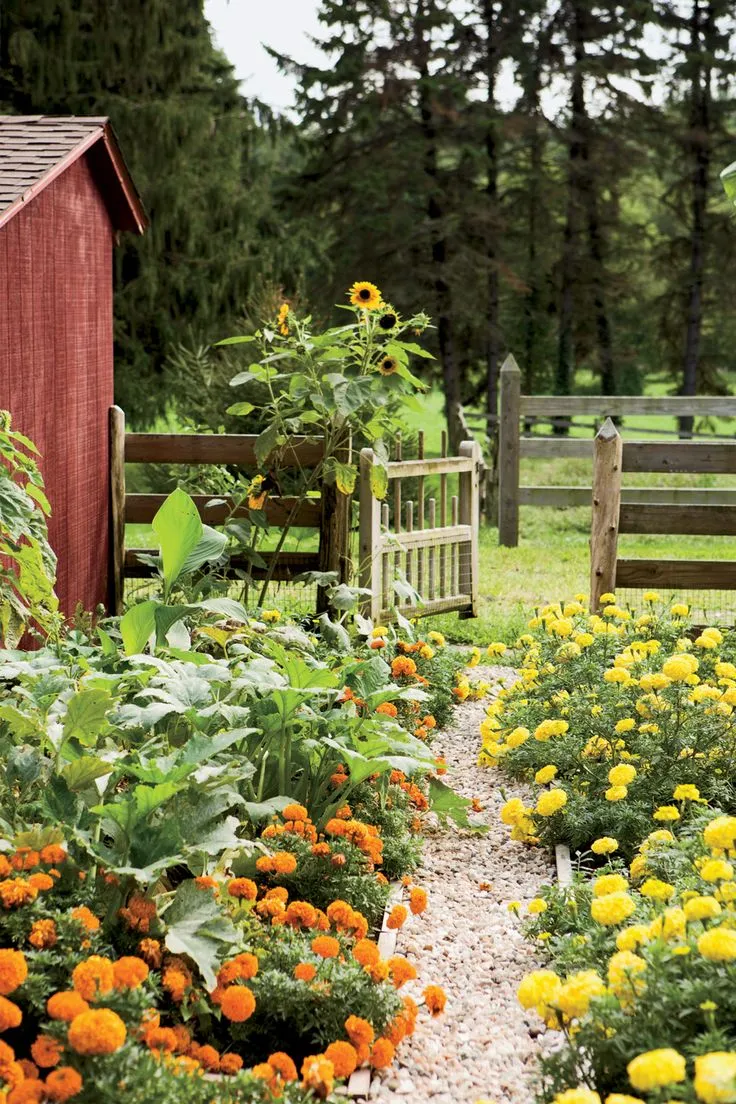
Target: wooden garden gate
x,y
414,548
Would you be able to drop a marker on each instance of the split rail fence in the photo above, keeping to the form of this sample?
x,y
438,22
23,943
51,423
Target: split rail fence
x,y
197,449
613,515
423,544
517,411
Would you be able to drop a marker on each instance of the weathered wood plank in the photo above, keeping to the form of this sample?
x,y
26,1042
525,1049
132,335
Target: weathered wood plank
x,y
717,458
452,534
606,503
212,448
704,520
610,405
447,604
555,448
408,469
677,574
469,515
370,537
510,449
563,496
289,565
142,508
117,510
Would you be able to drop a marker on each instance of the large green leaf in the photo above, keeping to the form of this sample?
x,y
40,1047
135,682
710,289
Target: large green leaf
x,y
446,803
728,179
178,527
137,625
82,772
210,546
379,480
197,927
85,716
138,805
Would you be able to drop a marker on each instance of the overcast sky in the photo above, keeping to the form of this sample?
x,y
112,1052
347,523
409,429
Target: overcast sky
x,y
242,27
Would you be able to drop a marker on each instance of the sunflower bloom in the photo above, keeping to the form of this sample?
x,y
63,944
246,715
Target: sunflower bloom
x,y
366,295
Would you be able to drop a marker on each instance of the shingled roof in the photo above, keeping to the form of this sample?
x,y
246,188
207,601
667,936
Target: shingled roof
x,y
35,149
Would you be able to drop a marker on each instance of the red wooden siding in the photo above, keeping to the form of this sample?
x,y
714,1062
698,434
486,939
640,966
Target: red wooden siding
x,y
56,365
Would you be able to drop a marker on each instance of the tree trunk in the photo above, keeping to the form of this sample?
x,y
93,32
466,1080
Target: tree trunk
x,y
701,26
492,231
533,295
598,281
438,238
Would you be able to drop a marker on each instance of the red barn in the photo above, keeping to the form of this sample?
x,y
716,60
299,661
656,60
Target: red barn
x,y
65,193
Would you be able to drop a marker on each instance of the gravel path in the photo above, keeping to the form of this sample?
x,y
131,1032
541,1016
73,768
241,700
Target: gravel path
x,y
470,944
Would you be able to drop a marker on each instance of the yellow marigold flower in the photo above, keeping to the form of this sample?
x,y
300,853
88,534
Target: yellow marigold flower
x,y
550,802
622,1098
518,737
678,667
614,908
513,811
536,906
616,793
609,883
577,1096
656,1068
617,674
679,609
624,975
721,832
271,616
651,596
715,1077
436,638
638,867
605,845
538,989
632,937
99,1031
702,908
366,295
545,775
686,792
576,993
666,812
656,889
718,944
622,775
625,724
496,649
670,925
716,870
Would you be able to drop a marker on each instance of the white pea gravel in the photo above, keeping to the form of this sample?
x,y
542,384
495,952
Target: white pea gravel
x,y
484,1045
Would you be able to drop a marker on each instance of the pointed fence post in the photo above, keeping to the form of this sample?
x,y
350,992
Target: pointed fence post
x,y
116,583
469,514
370,538
508,453
607,458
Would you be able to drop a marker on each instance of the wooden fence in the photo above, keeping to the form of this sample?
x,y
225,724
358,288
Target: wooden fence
x,y
434,551
613,515
513,445
231,449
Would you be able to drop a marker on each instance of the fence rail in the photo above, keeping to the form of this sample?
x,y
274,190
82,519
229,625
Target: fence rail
x,y
437,561
711,456
611,515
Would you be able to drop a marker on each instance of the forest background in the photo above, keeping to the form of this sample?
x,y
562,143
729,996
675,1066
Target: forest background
x,y
540,175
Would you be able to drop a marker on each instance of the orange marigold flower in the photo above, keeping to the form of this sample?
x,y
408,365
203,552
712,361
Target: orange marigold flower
x,y
326,946
243,966
16,892
183,1038
176,982
388,709
42,934
25,858
344,812
271,906
204,881
28,1092
238,1003
231,1064
242,888
161,1039
86,918
379,642
139,913
129,972
41,882
401,970
417,900
66,1005
300,914
403,666
46,1051
318,1074
339,778
99,1031
378,971
294,812
397,916
435,998
344,1058
321,850
429,721
360,1032
411,1011
305,971
339,912
150,952
30,1069
5,867
366,952
206,1056
13,970
63,1084
12,1074
283,1065
10,1014
7,1054
382,1054
93,976
264,1071
396,1030
53,854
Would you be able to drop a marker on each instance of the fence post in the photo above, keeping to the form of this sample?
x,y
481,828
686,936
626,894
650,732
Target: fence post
x,y
469,514
607,456
508,453
116,585
334,531
370,538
